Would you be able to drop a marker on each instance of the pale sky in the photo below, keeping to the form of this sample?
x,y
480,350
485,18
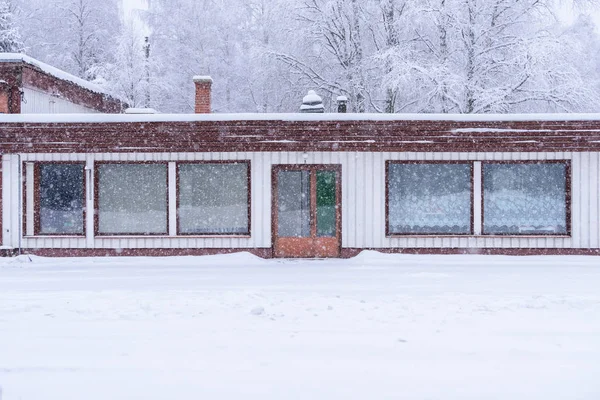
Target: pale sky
x,y
129,5
569,14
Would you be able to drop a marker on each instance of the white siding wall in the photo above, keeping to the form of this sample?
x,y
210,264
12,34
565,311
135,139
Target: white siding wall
x,y
11,193
36,102
363,201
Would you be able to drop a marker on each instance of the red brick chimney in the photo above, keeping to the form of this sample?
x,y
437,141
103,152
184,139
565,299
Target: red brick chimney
x,y
203,90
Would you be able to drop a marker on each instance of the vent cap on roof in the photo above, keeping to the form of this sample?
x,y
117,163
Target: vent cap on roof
x,y
342,104
312,103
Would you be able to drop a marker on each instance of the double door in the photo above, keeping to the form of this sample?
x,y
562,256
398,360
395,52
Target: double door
x,y
307,211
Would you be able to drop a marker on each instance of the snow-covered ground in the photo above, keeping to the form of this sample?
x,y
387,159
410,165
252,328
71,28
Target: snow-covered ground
x,y
231,327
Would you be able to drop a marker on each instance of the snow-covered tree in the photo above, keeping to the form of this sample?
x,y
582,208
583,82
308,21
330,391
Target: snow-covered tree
x,y
481,56
232,42
272,86
92,24
448,56
10,38
345,38
74,35
126,75
332,57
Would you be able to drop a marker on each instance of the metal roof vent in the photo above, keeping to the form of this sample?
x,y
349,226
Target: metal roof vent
x,y
342,104
312,103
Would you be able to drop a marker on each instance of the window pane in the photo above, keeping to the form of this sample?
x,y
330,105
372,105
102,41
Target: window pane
x,y
326,211
293,194
132,198
213,198
525,198
429,198
61,198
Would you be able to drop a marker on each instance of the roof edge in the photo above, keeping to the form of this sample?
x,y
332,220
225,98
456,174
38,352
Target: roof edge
x,y
294,117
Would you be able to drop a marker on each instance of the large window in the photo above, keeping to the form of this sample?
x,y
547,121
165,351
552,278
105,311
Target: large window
x,y
525,198
429,198
132,199
214,198
60,205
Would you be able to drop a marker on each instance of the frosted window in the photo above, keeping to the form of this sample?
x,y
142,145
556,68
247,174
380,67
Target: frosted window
x,y
293,199
429,198
132,199
525,198
61,198
213,198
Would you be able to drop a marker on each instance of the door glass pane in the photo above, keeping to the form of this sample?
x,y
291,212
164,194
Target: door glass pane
x,y
326,202
61,199
293,199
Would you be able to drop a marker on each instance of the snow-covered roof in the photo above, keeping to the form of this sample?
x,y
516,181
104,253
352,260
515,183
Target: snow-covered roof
x,y
133,110
53,71
117,118
202,78
312,97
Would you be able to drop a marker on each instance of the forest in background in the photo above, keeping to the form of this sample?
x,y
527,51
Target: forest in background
x,y
393,56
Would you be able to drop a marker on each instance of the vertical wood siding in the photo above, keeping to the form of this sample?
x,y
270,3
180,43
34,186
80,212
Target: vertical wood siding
x,y
363,201
36,102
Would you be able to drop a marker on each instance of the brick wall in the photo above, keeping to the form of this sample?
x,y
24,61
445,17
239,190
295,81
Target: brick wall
x,y
4,99
10,95
273,135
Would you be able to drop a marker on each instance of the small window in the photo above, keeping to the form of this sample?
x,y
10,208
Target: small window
x,y
525,198
429,198
60,206
214,198
132,199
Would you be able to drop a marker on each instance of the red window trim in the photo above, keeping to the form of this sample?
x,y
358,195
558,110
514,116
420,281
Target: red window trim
x,y
96,183
568,197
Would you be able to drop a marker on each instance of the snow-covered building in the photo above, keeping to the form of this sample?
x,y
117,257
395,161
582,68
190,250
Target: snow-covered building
x,y
29,86
299,185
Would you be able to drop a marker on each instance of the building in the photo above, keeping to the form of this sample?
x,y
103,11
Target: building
x,y
29,86
299,185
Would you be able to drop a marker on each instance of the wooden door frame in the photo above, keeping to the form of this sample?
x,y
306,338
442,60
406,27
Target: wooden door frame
x,y
337,168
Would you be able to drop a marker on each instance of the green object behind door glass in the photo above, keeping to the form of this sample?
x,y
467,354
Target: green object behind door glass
x,y
326,204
